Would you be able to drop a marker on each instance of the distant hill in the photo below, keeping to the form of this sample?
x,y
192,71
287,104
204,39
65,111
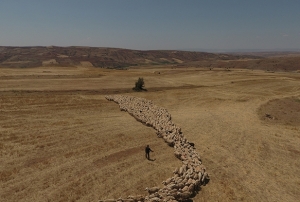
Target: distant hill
x,y
101,57
36,56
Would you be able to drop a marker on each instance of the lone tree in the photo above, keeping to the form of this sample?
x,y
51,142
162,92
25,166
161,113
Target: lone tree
x,y
139,85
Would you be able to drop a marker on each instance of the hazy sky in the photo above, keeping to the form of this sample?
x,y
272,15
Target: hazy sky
x,y
152,24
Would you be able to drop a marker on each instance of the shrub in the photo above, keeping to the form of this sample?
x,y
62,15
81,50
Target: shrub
x,y
139,85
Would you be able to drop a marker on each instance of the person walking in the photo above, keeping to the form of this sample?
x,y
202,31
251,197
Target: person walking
x,y
147,151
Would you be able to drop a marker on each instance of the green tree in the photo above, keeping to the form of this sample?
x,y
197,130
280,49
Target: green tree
x,y
139,85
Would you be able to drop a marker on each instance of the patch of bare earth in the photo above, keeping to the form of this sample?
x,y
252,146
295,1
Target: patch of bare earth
x,y
284,111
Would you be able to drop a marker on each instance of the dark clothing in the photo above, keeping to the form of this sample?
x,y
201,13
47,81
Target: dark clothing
x,y
147,151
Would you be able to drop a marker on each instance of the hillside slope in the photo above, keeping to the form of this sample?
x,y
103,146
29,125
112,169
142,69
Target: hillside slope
x,y
101,57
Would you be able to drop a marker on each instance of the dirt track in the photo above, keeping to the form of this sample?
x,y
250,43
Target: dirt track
x,y
61,140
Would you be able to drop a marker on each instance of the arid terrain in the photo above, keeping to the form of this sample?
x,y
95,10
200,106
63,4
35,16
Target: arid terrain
x,y
100,57
61,140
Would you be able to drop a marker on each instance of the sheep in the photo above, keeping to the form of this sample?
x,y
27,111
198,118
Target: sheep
x,y
155,199
179,180
192,171
159,135
171,185
176,171
169,141
191,181
204,178
184,181
167,181
136,198
179,185
183,195
177,154
191,188
181,171
168,198
200,176
185,188
152,189
154,195
195,176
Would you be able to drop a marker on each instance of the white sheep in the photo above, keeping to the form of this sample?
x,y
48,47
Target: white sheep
x,y
184,195
152,189
155,199
167,181
136,198
204,177
159,118
185,188
200,176
191,188
176,171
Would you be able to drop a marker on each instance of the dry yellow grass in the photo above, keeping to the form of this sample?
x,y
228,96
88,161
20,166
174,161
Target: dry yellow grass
x,y
61,140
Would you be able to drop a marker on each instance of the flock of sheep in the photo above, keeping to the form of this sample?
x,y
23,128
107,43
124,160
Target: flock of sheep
x,y
187,179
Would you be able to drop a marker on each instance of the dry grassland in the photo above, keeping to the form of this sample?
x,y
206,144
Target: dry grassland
x,y
61,140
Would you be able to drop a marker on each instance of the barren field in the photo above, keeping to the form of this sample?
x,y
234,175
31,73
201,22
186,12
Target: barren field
x,y
61,140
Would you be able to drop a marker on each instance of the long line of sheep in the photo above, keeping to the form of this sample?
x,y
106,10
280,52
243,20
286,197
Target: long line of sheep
x,y
187,179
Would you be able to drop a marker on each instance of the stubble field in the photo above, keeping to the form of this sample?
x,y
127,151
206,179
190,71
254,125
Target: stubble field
x,y
61,140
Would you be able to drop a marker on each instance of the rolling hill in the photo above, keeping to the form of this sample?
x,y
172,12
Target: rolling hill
x,y
117,58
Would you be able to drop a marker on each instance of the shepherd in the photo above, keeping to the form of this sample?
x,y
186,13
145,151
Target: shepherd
x,y
147,151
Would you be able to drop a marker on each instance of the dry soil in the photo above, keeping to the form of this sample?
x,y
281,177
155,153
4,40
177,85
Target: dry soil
x,y
61,140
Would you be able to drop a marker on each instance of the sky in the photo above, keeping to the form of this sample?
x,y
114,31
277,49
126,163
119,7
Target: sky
x,y
152,24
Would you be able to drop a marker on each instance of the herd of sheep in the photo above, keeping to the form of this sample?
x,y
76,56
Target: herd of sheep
x,y
187,179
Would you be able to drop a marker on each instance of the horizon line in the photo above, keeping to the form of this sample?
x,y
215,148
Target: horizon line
x,y
211,50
